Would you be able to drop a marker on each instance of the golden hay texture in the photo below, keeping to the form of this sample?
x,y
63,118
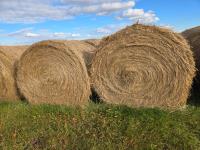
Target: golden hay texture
x,y
143,66
54,72
89,53
93,42
8,56
193,37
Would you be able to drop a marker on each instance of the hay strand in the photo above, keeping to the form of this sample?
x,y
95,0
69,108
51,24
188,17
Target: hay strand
x,y
93,42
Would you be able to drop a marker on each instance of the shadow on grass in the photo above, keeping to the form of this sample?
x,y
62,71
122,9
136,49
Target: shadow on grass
x,y
194,98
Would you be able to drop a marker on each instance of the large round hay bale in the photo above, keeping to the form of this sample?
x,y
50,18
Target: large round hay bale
x,y
193,37
8,57
54,72
143,66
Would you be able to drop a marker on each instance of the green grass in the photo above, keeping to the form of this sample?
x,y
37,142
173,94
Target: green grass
x,y
97,127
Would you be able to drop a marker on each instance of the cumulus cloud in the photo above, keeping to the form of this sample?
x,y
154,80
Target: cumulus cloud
x,y
102,8
34,11
31,11
139,15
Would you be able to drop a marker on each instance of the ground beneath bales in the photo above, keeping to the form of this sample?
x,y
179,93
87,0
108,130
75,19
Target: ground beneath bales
x,y
23,126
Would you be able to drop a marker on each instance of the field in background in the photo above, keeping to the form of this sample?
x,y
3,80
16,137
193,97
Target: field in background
x,y
24,126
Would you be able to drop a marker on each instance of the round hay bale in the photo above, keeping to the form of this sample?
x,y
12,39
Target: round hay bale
x,y
8,57
54,72
193,37
143,66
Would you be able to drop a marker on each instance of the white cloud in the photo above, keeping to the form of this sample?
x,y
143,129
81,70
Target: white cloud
x,y
28,35
31,11
88,1
60,34
139,15
19,33
75,35
109,29
34,11
167,26
133,12
103,30
101,8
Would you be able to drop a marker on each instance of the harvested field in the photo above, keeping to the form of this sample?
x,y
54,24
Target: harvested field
x,y
143,66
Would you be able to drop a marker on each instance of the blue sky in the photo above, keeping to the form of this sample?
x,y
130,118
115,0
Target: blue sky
x,y
28,21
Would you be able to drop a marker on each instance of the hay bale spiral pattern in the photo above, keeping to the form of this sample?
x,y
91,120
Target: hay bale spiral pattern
x,y
54,72
143,66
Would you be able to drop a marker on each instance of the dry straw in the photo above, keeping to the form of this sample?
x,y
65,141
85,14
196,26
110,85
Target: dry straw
x,y
93,42
8,57
143,66
89,55
193,37
54,72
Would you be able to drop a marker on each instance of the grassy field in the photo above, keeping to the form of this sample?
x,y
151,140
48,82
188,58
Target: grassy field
x,y
97,127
